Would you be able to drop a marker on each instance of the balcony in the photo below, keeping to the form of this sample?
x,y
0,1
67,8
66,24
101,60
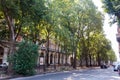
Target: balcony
x,y
118,37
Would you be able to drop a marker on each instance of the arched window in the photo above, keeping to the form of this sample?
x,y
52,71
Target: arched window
x,y
1,54
51,58
42,54
41,58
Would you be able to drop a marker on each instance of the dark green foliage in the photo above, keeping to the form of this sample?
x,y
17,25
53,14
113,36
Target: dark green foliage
x,y
25,13
108,6
25,59
112,7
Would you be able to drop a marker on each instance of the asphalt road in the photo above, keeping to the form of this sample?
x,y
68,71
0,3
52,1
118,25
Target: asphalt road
x,y
86,74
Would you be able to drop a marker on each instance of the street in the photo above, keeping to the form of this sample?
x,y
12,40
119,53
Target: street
x,y
86,74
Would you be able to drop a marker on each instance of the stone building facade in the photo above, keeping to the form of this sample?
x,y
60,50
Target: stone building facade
x,y
3,54
53,56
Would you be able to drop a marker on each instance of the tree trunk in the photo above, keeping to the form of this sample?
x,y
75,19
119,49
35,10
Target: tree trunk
x,y
47,53
80,60
66,57
75,52
86,60
58,58
74,64
90,57
98,59
58,54
62,58
10,23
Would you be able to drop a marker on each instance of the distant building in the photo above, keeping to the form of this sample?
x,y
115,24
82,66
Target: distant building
x,y
118,39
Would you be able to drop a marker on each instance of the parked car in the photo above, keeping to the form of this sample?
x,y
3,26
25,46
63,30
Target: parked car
x,y
3,65
115,66
103,66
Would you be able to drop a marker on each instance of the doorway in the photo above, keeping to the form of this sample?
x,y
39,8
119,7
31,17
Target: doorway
x,y
1,54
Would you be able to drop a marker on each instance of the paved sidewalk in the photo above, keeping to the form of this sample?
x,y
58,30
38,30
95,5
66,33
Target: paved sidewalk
x,y
6,77
48,74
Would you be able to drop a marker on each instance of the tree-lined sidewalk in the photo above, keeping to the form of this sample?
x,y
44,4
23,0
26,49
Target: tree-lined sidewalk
x,y
76,27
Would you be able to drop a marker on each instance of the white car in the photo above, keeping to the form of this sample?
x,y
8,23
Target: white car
x,y
3,65
115,66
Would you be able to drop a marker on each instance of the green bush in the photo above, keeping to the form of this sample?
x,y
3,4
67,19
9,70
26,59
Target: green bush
x,y
25,59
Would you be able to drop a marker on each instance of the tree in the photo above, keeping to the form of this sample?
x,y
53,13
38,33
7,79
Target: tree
x,y
112,56
112,7
25,59
19,14
87,17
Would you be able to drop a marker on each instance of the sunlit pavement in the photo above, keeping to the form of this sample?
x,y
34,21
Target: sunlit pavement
x,y
87,74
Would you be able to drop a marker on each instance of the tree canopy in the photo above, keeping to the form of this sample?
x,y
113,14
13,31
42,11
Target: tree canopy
x,y
112,7
76,26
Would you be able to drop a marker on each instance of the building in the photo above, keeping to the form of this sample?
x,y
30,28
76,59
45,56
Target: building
x,y
55,56
4,53
118,39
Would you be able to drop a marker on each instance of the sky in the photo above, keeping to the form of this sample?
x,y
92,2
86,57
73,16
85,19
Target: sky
x,y
110,31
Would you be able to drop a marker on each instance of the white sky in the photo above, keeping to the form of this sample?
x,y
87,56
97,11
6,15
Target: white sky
x,y
110,31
